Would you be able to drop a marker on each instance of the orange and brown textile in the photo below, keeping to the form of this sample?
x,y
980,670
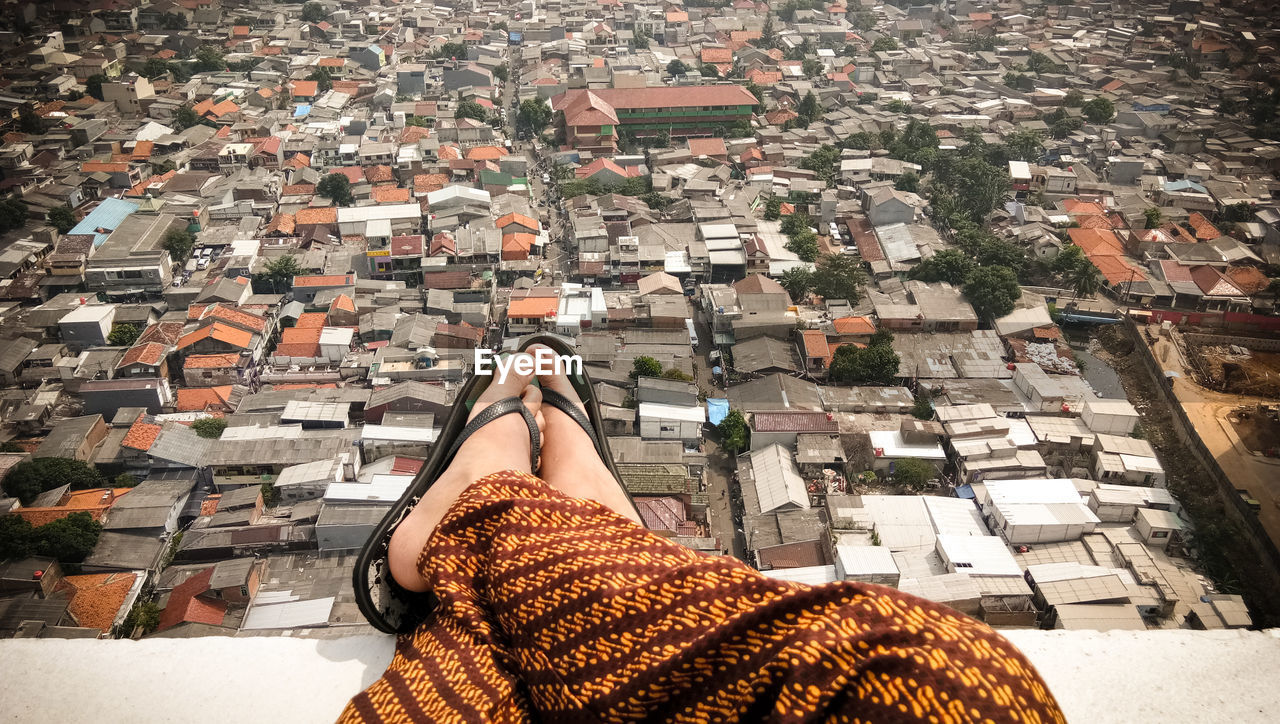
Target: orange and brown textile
x,y
558,609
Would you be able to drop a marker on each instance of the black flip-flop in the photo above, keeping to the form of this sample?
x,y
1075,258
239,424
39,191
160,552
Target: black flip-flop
x,y
385,604
393,609
591,420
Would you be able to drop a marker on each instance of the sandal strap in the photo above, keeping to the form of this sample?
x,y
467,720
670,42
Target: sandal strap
x,y
571,408
502,408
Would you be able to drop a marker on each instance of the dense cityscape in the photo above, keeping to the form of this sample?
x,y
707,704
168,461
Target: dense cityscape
x,y
972,299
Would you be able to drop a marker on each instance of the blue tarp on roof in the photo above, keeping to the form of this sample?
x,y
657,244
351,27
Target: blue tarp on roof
x,y
103,220
717,410
302,110
1185,185
965,491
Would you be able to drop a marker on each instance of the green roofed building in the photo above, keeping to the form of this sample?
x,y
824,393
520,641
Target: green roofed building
x,y
593,118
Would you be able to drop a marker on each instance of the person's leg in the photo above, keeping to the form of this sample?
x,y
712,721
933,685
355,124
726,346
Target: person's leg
x,y
455,666
603,619
502,444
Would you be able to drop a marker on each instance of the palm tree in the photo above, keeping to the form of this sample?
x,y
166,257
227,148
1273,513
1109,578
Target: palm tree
x,y
1086,280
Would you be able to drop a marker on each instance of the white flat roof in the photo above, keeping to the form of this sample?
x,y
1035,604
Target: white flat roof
x,y
985,555
889,444
696,413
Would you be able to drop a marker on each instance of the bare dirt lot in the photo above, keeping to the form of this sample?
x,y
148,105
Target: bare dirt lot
x,y
1224,370
1258,429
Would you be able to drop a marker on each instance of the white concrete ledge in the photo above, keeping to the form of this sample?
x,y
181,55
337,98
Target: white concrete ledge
x,y
1121,677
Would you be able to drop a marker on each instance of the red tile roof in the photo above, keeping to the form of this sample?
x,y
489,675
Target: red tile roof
x,y
201,399
307,88
308,320
141,435
815,343
185,606
514,218
794,422
96,599
322,280
211,361
390,195
854,325
147,353
318,216
222,332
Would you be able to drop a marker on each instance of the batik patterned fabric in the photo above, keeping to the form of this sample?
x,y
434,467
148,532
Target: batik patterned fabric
x,y
558,609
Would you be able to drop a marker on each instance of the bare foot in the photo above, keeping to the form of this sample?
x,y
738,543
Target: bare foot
x,y
503,444
570,462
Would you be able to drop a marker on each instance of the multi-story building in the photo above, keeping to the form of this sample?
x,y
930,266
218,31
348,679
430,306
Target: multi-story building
x,y
594,118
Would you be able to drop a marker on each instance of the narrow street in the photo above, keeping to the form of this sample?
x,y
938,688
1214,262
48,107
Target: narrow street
x,y
720,467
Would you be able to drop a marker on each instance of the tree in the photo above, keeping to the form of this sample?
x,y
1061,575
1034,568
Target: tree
x,y
773,208
13,214
812,68
144,615
1024,145
824,162
270,495
451,51
998,252
124,480
656,201
874,365
1086,280
709,71
123,335
948,265
1099,110
209,58
62,218
838,276
861,141
173,21
93,85
881,338
908,181
314,12
533,116
675,374
640,40
1067,260
501,72
324,81
184,118
809,108
471,109
1238,212
677,67
644,366
992,290
30,478
897,106
209,427
884,42
968,187
337,188
155,67
9,446
768,37
282,270
734,433
923,407
1039,63
69,540
798,281
914,473
15,537
1073,99
1153,216
179,243
804,244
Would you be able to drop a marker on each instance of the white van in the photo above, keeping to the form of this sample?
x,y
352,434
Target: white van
x,y
693,332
